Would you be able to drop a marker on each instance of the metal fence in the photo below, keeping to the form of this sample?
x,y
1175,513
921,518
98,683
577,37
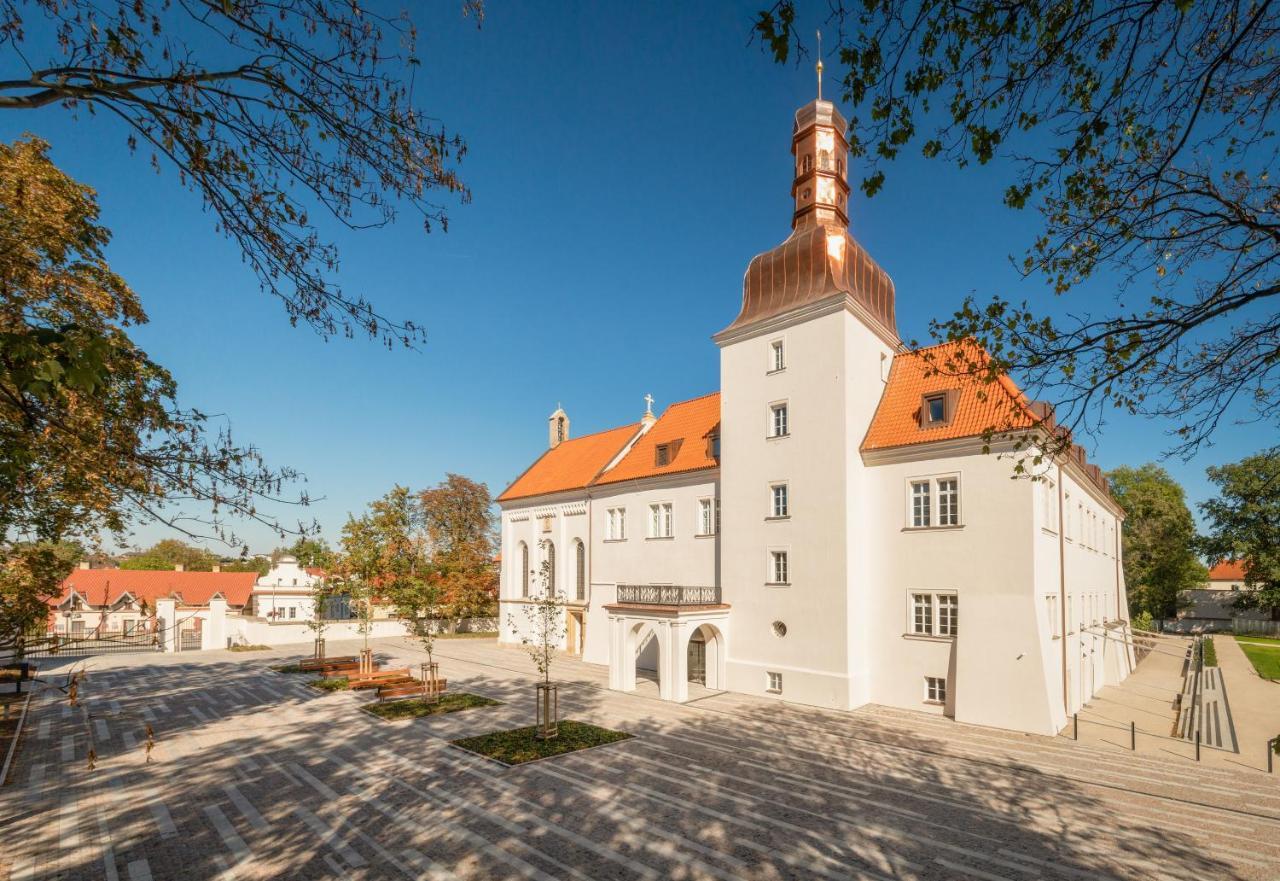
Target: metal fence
x,y
85,646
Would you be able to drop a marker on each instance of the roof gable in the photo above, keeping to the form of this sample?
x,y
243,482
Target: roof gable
x,y
684,430
570,465
947,369
99,586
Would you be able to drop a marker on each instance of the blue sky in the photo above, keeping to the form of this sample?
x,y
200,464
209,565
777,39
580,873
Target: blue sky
x,y
626,161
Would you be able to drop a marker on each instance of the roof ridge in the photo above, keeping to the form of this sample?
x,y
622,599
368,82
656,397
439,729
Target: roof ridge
x,y
591,434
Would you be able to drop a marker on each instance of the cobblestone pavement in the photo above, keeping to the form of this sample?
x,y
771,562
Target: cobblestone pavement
x,y
258,776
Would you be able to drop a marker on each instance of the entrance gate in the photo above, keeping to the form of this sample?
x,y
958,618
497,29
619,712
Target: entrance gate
x,y
698,659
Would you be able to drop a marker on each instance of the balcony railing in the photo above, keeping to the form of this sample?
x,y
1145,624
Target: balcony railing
x,y
668,595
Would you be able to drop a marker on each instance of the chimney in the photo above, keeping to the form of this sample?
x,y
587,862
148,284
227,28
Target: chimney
x,y
557,428
84,564
177,567
217,568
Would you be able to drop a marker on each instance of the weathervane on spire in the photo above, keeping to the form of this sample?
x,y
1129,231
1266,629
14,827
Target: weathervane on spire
x,y
819,66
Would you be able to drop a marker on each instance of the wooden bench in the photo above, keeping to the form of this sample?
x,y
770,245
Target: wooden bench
x,y
310,664
378,677
397,691
347,670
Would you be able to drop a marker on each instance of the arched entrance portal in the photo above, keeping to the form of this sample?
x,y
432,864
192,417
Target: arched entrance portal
x,y
672,646
704,657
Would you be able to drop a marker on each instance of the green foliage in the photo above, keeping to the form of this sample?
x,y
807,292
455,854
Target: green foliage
x,y
250,648
1244,524
414,708
332,683
91,435
1159,540
1210,652
309,552
268,111
31,574
1144,621
168,552
1143,134
522,745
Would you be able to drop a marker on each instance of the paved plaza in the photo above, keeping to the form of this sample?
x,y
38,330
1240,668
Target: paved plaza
x,y
257,775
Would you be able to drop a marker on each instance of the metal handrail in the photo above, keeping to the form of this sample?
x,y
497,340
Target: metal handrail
x,y
669,595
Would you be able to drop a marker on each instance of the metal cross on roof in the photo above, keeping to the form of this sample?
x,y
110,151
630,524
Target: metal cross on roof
x,y
648,404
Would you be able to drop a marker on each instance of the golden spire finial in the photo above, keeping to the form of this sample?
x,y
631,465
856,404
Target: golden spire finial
x,y
819,66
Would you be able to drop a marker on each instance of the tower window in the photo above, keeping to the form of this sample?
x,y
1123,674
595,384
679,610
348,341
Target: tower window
x,y
778,424
777,356
779,567
780,507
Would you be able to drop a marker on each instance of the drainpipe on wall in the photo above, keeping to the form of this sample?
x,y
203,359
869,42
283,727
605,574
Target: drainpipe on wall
x,y
1062,592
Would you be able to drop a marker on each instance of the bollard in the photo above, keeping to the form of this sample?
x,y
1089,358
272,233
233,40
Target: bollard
x,y
1197,746
1075,726
1133,736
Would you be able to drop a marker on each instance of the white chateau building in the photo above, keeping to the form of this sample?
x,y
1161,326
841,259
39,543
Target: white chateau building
x,y
832,527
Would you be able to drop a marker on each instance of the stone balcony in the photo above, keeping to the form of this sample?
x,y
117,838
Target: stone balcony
x,y
667,595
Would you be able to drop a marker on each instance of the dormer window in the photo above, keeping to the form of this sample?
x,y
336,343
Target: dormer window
x,y
713,445
665,454
937,409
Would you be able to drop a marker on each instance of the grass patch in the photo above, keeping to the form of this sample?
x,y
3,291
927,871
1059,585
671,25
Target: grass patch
x,y
289,668
519,745
413,708
1244,637
1210,653
1265,660
250,648
337,683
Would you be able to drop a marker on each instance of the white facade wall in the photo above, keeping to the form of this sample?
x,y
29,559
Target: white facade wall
x,y
561,520
831,384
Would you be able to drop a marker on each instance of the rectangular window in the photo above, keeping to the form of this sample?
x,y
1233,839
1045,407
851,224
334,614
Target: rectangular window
x,y
1051,608
949,502
774,682
936,408
920,504
1050,505
779,508
948,614
1067,532
660,520
717,515
706,517
616,524
778,425
935,690
777,353
293,611
779,567
1071,611
922,613
662,455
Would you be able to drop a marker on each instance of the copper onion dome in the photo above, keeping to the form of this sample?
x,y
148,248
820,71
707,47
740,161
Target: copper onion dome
x,y
819,259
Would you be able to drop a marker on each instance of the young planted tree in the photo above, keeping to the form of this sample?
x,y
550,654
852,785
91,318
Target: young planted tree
x,y
1244,524
1159,540
542,633
1145,134
321,593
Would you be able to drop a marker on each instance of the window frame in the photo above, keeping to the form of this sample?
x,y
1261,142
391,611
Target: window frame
x,y
777,512
772,421
580,570
708,516
935,690
777,355
773,682
661,520
932,607
524,570
771,558
615,523
933,501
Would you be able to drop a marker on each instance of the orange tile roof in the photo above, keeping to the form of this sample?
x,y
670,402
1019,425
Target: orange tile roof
x,y
979,406
1227,570
687,425
195,588
570,465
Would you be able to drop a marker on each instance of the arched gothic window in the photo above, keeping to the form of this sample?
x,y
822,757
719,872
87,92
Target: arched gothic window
x,y
524,569
551,567
581,553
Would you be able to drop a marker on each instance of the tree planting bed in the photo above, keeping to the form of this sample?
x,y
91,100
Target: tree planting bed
x,y
520,745
415,708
